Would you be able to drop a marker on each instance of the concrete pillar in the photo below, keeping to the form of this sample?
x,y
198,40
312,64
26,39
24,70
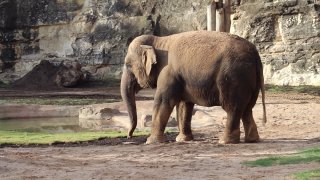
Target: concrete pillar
x,y
227,15
220,26
211,16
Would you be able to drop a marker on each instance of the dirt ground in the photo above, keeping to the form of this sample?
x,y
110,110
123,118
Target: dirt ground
x,y
293,124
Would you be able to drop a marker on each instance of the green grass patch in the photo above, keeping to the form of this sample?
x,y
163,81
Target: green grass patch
x,y
28,138
306,156
57,101
306,175
312,90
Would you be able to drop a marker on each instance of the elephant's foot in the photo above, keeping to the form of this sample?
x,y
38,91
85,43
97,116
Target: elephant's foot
x,y
155,139
230,138
184,137
252,138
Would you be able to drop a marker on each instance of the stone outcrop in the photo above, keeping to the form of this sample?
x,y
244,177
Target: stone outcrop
x,y
96,33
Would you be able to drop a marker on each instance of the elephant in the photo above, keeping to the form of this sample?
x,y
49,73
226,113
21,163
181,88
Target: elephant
x,y
205,68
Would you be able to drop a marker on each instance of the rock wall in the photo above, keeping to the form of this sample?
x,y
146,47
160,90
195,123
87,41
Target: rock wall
x,y
96,33
287,34
31,31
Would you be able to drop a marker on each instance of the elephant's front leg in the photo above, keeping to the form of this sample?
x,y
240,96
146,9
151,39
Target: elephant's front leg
x,y
161,113
166,97
184,115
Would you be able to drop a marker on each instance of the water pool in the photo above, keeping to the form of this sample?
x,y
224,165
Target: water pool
x,y
52,125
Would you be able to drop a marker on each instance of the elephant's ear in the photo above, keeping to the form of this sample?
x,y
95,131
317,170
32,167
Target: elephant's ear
x,y
148,57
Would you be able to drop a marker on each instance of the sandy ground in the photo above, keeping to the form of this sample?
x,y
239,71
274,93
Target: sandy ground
x,y
293,124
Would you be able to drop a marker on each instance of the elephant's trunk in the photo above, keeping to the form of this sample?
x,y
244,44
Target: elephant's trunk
x,y
128,90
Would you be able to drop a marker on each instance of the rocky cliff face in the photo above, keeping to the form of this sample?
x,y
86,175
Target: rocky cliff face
x,y
31,31
96,33
287,34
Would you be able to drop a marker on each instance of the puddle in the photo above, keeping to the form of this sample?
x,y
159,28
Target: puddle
x,y
52,125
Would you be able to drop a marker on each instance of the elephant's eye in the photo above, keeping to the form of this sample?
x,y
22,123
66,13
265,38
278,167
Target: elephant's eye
x,y
128,66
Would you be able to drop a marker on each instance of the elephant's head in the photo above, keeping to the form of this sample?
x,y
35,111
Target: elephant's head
x,y
138,73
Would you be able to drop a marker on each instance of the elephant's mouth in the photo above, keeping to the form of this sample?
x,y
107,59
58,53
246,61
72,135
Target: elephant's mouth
x,y
145,86
152,85
144,81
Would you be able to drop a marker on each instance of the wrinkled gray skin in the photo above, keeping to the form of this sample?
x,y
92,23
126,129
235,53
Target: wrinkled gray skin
x,y
199,67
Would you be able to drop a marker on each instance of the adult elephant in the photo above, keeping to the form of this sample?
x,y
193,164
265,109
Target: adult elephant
x,y
199,67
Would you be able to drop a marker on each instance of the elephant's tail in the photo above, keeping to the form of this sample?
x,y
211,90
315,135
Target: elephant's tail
x,y
263,99
262,94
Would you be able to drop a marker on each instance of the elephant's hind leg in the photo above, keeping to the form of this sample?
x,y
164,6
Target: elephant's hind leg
x,y
250,127
231,133
184,115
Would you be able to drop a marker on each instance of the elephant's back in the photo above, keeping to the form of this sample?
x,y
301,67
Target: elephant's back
x,y
207,50
203,58
199,41
207,37
204,48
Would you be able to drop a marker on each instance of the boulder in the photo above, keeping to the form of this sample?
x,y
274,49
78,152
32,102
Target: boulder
x,y
146,121
69,75
47,75
42,76
95,117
